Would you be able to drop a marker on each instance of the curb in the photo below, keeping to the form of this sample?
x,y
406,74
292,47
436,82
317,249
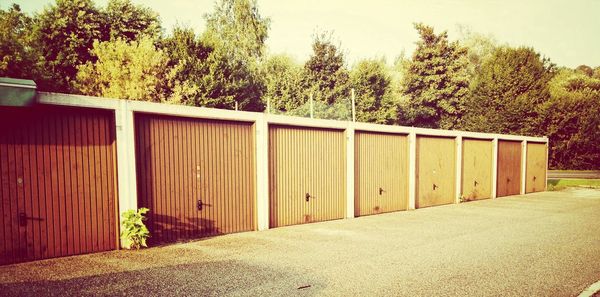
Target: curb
x,y
591,290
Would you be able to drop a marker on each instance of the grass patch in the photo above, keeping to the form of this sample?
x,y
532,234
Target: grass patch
x,y
563,183
572,171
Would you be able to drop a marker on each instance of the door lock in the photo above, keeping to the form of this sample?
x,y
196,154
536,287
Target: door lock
x,y
199,204
22,219
435,187
308,196
475,183
381,191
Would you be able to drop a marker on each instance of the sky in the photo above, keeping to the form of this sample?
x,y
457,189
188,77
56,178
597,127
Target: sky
x,y
567,32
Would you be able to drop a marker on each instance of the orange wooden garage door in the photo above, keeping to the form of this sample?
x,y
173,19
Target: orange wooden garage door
x,y
477,169
307,175
509,168
380,173
436,171
536,167
58,184
196,176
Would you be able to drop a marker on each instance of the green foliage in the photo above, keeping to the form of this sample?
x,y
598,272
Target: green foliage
x,y
479,48
325,74
226,79
129,21
240,26
134,70
507,92
585,69
134,232
65,33
282,78
18,56
561,184
436,81
374,101
235,37
596,73
572,121
187,54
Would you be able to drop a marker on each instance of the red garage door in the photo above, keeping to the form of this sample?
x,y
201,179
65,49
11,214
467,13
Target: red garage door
x,y
57,182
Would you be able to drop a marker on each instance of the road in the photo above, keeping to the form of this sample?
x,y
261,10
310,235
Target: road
x,y
555,174
542,244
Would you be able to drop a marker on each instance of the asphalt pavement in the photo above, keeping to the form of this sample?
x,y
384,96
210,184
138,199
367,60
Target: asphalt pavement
x,y
541,244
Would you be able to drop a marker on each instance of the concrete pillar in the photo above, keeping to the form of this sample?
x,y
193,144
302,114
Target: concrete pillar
x,y
494,167
523,165
125,140
262,172
412,169
458,169
350,171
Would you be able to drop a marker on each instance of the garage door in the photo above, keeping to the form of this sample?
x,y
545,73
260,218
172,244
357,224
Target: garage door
x,y
307,174
380,173
436,171
195,176
477,169
509,168
536,167
58,183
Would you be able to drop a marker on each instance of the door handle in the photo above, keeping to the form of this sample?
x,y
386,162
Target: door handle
x,y
475,183
199,204
381,191
534,178
435,187
22,219
308,196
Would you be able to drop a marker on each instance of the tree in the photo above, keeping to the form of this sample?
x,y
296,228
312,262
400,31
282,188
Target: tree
x,y
133,70
65,32
18,55
129,21
282,83
479,48
596,73
187,55
240,26
572,122
585,69
508,91
235,37
325,74
374,102
436,81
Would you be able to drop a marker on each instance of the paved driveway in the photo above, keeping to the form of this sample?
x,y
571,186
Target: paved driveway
x,y
543,244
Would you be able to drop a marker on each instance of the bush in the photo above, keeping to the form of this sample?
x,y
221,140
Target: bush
x,y
134,232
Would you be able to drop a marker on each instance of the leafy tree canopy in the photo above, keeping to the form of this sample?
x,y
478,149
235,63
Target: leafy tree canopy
x,y
18,56
65,32
239,25
371,82
572,121
128,21
325,74
282,83
436,81
508,90
134,70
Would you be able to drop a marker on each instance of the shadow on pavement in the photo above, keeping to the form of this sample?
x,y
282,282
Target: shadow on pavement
x,y
216,278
